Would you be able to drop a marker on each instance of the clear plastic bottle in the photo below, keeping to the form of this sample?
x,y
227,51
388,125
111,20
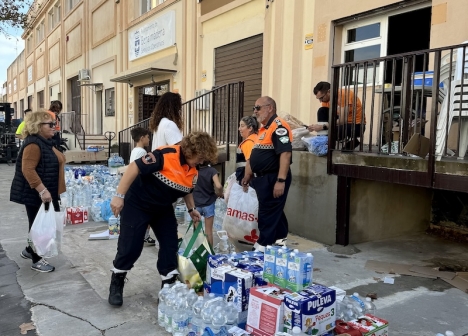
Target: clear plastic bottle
x,y
196,323
190,299
179,319
449,333
208,310
180,210
231,315
357,300
223,247
218,320
349,313
370,306
170,304
163,293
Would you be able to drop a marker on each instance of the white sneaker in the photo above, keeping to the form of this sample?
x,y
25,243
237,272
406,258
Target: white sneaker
x,y
281,242
42,266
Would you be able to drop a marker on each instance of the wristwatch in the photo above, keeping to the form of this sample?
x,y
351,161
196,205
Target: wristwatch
x,y
281,180
190,210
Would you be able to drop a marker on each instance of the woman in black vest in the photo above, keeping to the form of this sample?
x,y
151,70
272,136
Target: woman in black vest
x,y
39,176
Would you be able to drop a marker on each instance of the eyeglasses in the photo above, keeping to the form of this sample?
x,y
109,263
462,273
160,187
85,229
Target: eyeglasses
x,y
259,107
321,98
51,124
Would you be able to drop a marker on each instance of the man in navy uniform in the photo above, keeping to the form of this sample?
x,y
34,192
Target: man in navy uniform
x,y
269,166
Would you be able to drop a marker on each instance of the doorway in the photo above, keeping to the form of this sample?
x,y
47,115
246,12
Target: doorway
x,y
76,104
148,97
98,114
408,32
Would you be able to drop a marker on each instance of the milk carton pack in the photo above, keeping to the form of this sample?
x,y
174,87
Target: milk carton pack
x,y
217,278
214,261
281,268
312,309
236,288
269,263
370,325
300,266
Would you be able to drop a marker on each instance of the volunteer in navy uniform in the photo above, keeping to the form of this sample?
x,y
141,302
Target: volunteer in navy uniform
x,y
148,188
268,173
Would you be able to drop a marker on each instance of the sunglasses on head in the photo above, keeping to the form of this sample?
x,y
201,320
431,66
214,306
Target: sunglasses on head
x,y
259,107
51,124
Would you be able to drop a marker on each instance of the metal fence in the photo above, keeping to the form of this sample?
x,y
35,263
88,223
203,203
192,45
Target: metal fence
x,y
379,105
217,112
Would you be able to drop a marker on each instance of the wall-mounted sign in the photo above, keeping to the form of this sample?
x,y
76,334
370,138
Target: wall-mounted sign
x,y
151,36
203,76
309,41
30,73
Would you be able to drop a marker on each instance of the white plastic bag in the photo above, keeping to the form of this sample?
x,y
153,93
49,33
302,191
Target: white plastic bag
x,y
230,181
44,232
241,221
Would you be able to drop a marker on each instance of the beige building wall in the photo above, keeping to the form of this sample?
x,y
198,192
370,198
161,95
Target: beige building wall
x,y
232,22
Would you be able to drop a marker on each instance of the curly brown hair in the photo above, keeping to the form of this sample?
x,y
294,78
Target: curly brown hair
x,y
168,106
200,144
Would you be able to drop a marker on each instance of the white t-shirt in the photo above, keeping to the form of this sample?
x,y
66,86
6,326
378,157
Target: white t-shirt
x,y
167,134
137,153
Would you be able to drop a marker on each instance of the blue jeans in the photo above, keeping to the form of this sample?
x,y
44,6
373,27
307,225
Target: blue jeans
x,y
207,211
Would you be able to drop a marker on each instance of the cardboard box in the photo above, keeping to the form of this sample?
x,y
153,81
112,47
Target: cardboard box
x,y
370,325
418,145
236,288
265,316
77,215
217,278
214,261
313,310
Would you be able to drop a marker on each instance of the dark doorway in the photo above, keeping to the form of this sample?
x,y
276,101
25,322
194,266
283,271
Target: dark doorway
x,y
148,97
408,32
76,105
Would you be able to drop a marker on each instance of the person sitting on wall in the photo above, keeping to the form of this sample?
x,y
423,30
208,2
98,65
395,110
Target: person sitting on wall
x,y
346,126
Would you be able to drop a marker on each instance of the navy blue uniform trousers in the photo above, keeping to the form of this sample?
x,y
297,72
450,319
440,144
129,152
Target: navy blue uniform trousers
x,y
272,222
133,224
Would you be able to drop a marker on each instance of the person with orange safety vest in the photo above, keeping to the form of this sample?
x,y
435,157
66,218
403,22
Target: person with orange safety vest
x,y
148,188
270,165
248,129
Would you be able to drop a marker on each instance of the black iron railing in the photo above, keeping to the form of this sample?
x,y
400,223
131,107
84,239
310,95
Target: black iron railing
x,y
379,105
217,112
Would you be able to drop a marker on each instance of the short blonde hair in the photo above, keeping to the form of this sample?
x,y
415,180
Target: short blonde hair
x,y
200,144
32,124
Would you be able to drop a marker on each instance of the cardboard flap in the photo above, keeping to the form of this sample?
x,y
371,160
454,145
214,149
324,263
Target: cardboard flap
x,y
418,145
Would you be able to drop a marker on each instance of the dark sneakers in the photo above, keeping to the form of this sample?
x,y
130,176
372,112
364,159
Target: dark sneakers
x,y
116,289
149,241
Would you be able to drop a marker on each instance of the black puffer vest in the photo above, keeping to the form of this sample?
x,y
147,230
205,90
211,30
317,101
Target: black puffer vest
x,y
47,169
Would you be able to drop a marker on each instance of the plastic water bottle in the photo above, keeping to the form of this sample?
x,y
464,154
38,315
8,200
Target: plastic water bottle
x,y
163,293
357,301
114,163
223,247
218,320
349,313
231,315
180,210
370,306
196,323
297,331
449,333
179,319
170,304
208,310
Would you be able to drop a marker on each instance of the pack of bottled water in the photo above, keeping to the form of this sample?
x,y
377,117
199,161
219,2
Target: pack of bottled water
x,y
181,312
114,163
89,186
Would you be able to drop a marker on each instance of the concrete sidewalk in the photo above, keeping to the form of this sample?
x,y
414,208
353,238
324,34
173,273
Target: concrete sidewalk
x,y
73,299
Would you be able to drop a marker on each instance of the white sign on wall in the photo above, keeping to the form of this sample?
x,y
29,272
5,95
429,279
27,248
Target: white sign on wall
x,y
152,36
30,73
